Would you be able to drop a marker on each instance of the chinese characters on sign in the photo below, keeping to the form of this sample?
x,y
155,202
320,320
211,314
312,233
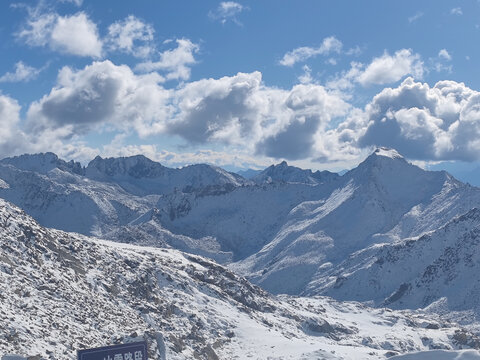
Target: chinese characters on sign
x,y
131,351
126,356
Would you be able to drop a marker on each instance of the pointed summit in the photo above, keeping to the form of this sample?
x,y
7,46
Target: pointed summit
x,y
387,152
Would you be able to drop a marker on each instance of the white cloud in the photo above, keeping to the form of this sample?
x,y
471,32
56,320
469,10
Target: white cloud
x,y
227,10
75,34
22,72
422,122
241,111
382,70
175,62
329,45
387,68
76,2
306,77
456,11
444,55
237,111
131,36
102,94
415,17
11,138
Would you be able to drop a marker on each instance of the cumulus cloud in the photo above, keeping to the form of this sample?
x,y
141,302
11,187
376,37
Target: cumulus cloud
x,y
237,111
329,45
11,138
131,36
381,70
101,93
390,68
227,10
175,62
423,122
241,111
22,72
75,34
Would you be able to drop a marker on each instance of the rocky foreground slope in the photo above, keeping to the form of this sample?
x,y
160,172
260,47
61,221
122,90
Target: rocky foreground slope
x,y
60,292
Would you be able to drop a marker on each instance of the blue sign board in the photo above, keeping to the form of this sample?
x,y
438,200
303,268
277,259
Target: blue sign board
x,y
131,351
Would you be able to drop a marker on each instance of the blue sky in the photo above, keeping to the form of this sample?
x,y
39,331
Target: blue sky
x,y
242,84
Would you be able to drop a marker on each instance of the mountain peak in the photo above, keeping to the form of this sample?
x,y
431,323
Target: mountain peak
x,y
137,166
283,172
387,152
43,163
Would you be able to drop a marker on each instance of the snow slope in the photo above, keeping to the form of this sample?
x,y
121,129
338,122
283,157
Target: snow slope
x,y
61,292
438,269
242,220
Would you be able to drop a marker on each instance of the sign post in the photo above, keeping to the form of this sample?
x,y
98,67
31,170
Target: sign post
x,y
130,351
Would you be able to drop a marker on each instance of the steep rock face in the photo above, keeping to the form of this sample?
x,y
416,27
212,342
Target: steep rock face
x,y
440,267
290,174
61,292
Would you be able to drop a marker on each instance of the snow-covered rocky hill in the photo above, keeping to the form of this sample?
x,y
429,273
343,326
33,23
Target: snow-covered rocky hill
x,y
60,292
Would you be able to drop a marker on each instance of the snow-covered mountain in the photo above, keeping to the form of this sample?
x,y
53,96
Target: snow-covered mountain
x,y
141,176
61,292
288,236
65,200
382,200
291,174
438,269
43,163
107,194
242,220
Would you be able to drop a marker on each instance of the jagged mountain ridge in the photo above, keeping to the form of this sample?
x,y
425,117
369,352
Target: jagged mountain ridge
x,y
61,292
107,194
291,174
142,176
42,163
